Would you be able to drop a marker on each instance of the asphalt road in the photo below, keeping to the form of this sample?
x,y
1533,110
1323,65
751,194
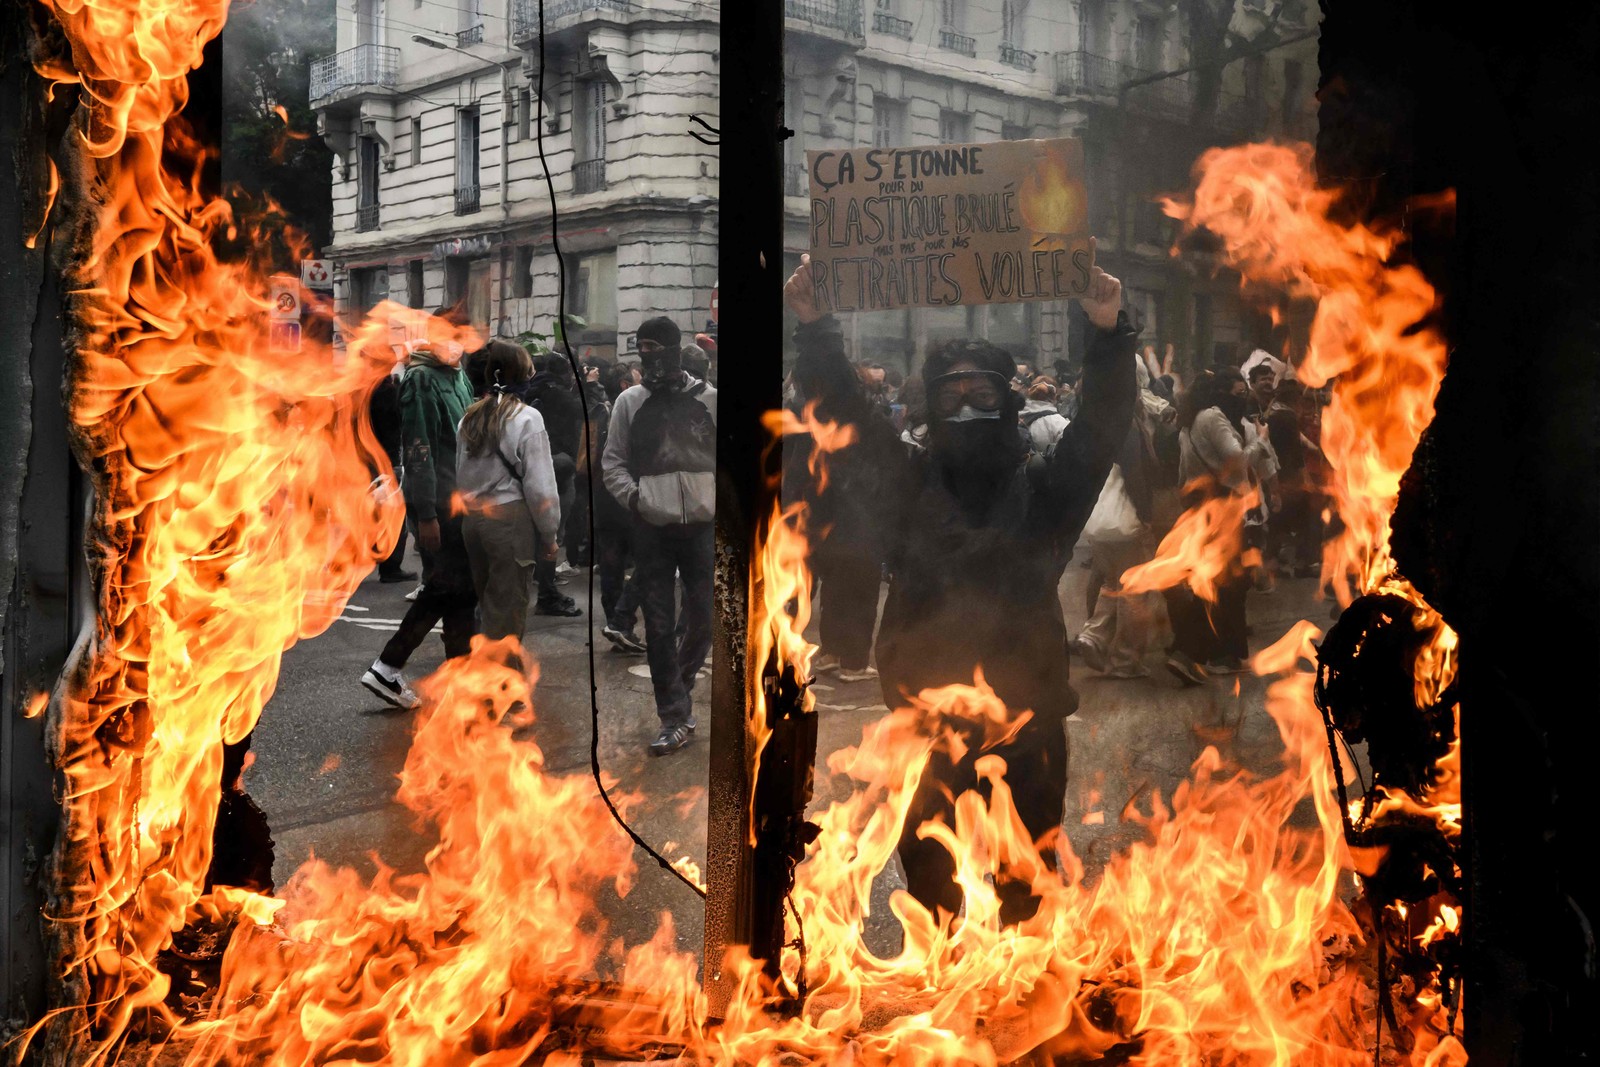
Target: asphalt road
x,y
327,752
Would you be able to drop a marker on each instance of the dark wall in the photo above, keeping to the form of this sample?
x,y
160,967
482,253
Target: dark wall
x,y
1498,523
41,571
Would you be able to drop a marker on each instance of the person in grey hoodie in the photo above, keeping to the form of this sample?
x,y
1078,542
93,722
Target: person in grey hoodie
x,y
507,485
660,464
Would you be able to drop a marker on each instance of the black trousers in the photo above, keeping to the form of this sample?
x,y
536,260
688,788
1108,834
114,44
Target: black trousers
x,y
1036,772
447,595
619,595
849,586
677,646
1204,631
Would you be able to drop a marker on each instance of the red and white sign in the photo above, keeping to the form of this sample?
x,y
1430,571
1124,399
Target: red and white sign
x,y
285,305
316,274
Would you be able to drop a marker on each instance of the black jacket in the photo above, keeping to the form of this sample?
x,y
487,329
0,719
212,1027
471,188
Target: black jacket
x,y
557,402
971,592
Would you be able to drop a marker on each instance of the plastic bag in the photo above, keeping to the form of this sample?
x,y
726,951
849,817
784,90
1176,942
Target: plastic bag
x,y
1114,519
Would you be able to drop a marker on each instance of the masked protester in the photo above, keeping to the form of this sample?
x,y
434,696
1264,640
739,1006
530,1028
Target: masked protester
x,y
974,529
660,464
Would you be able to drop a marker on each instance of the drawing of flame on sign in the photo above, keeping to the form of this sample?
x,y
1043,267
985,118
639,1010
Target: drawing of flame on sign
x,y
1053,202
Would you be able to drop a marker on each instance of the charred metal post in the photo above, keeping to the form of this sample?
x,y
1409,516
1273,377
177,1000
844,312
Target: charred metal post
x,y
43,582
750,338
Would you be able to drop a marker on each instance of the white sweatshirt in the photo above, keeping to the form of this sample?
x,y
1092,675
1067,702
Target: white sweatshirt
x,y
520,469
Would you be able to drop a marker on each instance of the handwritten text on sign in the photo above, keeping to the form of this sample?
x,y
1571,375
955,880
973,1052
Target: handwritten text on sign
x,y
948,224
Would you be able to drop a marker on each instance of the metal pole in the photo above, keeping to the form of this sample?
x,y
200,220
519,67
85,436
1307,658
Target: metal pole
x,y
750,329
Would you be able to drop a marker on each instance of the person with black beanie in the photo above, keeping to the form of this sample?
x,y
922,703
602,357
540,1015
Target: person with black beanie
x,y
660,464
977,534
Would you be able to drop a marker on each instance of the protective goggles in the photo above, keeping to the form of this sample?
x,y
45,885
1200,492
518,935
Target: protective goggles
x,y
981,390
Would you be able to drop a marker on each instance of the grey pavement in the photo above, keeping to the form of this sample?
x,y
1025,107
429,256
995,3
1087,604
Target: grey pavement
x,y
327,752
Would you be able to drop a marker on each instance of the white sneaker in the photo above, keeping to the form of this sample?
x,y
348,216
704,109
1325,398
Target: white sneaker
x,y
864,674
397,693
824,663
415,592
565,568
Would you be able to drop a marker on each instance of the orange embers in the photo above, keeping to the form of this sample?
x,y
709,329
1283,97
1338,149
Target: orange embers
x,y
482,956
232,515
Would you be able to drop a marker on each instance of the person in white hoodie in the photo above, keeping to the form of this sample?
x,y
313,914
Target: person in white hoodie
x,y
1040,418
507,489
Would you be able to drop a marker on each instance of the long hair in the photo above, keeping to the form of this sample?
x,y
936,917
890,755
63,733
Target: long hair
x,y
1201,394
506,366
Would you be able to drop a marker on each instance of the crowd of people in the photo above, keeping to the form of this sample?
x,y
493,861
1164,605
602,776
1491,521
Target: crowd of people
x,y
968,488
494,448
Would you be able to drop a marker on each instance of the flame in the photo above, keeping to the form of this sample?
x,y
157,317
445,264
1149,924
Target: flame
x,y
234,518
1052,202
231,511
1202,547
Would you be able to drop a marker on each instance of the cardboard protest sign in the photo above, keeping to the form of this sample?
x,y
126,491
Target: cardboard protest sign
x,y
945,225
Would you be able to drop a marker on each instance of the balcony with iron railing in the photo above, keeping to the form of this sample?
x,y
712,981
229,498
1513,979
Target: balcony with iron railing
x,y
558,13
1012,56
589,176
885,23
366,218
834,18
470,35
366,66
469,198
951,41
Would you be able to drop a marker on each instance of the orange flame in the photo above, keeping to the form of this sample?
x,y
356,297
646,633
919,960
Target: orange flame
x,y
232,516
235,518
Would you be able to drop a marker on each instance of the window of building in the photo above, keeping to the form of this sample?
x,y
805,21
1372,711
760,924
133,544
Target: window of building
x,y
1147,44
368,286
367,185
954,127
1011,131
468,190
888,7
953,15
888,122
416,285
524,114
1255,69
416,140
592,289
366,22
795,179
522,273
1011,23
589,134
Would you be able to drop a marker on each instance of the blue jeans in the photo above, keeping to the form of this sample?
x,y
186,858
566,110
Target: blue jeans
x,y
676,652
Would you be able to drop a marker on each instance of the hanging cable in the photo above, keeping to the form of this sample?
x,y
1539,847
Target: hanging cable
x,y
588,451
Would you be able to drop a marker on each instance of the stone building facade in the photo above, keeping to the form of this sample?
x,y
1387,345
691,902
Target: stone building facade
x,y
439,197
887,72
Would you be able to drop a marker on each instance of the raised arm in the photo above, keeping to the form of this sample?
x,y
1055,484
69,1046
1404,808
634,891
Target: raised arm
x,y
823,372
1077,468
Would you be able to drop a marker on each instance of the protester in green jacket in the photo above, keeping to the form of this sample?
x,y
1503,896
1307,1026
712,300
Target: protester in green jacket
x,y
433,397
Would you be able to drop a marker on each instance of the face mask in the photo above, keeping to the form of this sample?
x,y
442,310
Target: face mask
x,y
968,413
662,368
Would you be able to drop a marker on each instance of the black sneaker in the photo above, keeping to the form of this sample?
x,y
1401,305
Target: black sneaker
x,y
623,640
672,738
565,608
1091,653
1187,670
388,577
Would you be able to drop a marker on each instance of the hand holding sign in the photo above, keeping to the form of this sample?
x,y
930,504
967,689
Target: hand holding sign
x,y
799,294
1103,299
